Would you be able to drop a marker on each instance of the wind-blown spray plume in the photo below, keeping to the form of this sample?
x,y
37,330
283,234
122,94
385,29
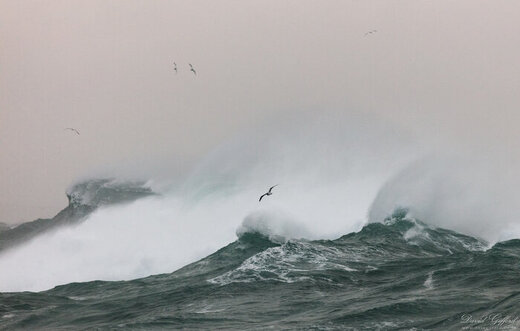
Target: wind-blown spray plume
x,y
330,176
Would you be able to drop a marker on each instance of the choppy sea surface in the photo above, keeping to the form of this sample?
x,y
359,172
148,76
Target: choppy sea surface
x,y
396,275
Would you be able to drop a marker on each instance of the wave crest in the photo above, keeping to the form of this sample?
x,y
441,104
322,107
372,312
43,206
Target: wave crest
x,y
275,225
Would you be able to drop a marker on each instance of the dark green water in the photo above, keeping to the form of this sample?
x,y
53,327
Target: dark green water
x,y
397,275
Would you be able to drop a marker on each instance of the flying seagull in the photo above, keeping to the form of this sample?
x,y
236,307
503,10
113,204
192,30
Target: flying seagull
x,y
72,129
370,32
175,67
268,192
192,69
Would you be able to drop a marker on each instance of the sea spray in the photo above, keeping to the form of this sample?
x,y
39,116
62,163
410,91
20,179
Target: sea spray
x,y
326,180
465,192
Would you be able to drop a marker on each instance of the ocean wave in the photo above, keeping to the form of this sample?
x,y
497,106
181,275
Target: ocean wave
x,y
375,277
466,193
397,238
106,191
84,198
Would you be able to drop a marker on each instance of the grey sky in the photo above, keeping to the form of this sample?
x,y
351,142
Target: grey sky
x,y
447,69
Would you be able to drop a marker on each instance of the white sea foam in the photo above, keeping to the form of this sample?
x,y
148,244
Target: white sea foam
x,y
284,264
428,283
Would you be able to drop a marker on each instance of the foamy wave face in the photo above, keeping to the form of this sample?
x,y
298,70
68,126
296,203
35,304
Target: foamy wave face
x,y
159,235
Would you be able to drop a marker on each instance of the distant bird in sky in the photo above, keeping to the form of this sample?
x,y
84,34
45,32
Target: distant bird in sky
x,y
370,32
192,69
268,192
72,129
175,67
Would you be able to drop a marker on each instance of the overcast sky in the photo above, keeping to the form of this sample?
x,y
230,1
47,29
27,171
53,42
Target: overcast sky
x,y
448,69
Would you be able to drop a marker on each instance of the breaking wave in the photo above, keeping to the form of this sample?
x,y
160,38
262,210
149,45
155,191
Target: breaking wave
x,y
332,181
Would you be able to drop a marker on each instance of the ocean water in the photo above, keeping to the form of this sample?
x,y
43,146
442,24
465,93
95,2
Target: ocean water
x,y
358,235
398,274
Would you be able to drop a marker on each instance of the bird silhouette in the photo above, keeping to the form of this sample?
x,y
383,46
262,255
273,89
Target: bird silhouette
x,y
192,69
73,130
268,192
